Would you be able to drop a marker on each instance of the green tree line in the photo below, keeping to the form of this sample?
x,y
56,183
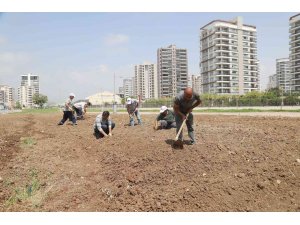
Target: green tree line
x,y
272,97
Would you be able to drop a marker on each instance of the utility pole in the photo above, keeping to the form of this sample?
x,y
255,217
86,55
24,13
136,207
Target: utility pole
x,y
101,100
114,104
281,98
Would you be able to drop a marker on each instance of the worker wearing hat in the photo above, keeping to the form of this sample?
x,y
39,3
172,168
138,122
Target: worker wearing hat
x,y
132,106
165,119
68,111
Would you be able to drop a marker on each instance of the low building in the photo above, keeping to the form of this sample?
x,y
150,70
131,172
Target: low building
x,y
103,98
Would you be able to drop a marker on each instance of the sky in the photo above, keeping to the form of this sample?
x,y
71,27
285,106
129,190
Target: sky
x,y
81,52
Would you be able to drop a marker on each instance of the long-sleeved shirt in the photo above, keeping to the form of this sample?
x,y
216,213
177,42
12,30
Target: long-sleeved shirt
x,y
99,121
80,105
131,107
68,105
169,117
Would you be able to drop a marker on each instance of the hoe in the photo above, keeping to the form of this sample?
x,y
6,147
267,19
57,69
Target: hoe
x,y
178,143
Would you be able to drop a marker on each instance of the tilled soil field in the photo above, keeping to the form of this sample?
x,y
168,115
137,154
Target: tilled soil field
x,y
238,164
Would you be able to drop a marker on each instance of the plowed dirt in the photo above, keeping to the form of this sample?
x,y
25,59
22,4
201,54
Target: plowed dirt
x,y
238,164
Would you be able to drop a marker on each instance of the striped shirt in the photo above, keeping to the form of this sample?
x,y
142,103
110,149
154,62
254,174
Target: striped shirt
x,y
99,121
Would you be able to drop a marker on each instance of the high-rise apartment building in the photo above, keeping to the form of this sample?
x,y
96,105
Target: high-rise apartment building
x,y
190,82
295,52
229,63
7,95
172,67
30,85
121,90
145,78
127,88
196,83
272,83
283,74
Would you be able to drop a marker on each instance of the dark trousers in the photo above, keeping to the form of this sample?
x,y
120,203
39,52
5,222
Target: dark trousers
x,y
68,115
189,123
105,128
79,112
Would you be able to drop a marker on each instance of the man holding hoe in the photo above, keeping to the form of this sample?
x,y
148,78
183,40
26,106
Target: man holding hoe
x,y
184,104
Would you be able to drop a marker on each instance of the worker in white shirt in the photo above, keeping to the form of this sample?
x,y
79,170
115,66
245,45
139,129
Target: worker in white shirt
x,y
68,111
80,109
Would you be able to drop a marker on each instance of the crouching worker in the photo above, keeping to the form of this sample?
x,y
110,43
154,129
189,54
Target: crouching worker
x,y
80,109
165,119
103,125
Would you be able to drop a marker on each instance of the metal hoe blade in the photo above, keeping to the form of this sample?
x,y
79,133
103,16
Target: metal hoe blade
x,y
178,144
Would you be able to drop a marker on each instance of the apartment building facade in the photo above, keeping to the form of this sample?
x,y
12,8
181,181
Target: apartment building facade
x,y
294,30
172,69
272,82
196,83
228,57
127,87
30,85
283,74
145,81
7,96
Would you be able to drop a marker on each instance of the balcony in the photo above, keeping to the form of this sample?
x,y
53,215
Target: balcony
x,y
223,79
294,27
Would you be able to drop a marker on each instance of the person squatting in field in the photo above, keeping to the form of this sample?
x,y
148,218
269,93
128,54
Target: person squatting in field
x,y
165,119
103,125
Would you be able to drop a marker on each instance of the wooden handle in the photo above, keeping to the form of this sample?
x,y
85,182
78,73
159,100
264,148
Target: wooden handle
x,y
180,129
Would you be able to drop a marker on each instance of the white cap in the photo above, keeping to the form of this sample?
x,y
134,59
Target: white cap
x,y
163,108
128,101
72,94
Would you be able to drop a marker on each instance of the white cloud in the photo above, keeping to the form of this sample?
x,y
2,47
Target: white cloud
x,y
103,68
12,65
14,57
116,39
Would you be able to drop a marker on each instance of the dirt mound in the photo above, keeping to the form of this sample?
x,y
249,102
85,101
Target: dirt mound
x,y
238,164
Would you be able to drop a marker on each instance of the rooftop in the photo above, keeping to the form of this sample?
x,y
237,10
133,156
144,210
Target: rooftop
x,y
224,21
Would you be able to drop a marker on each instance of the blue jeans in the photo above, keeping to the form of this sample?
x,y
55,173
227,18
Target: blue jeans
x,y
138,116
189,123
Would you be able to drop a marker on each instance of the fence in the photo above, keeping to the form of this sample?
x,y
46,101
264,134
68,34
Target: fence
x,y
210,103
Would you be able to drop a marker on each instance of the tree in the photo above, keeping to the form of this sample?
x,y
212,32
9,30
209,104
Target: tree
x,y
18,105
39,99
123,101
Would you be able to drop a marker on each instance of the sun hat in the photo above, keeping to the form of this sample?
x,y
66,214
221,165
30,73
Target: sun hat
x,y
163,108
128,101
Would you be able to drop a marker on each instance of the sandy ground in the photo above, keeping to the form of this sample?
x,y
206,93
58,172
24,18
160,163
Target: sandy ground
x,y
239,163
